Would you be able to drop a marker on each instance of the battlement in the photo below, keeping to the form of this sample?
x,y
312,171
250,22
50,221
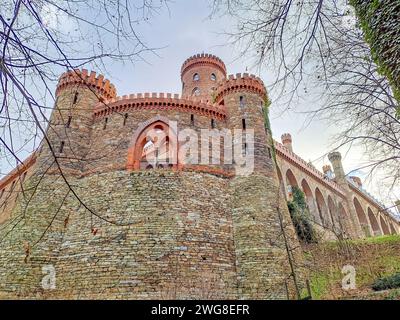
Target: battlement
x,y
77,77
205,59
241,82
159,101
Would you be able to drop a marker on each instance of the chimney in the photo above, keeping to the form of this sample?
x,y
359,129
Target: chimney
x,y
286,139
356,180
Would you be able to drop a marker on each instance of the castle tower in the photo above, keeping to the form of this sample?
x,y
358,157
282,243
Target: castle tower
x,y
200,75
352,227
259,211
71,121
286,139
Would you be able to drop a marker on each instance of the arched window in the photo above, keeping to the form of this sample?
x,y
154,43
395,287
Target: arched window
x,y
154,146
196,77
125,118
196,91
213,77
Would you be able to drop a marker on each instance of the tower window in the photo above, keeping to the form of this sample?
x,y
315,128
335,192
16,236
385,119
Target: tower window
x,y
196,77
196,91
213,77
105,123
244,124
241,101
61,147
75,98
192,119
125,118
212,123
67,125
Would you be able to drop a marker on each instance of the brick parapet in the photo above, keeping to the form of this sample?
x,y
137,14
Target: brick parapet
x,y
18,171
203,59
161,101
240,82
293,158
96,82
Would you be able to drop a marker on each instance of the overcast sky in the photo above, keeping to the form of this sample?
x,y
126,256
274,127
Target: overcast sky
x,y
186,30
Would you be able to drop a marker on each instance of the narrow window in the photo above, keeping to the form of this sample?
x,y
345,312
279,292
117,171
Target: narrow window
x,y
105,123
245,149
269,153
75,98
125,118
192,119
213,77
24,175
68,124
61,147
244,124
196,77
212,123
241,101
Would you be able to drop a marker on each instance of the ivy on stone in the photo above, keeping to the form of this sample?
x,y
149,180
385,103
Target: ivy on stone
x,y
380,22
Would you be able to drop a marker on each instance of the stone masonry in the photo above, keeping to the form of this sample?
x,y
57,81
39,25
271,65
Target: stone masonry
x,y
116,214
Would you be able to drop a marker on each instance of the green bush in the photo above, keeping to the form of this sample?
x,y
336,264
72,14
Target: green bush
x,y
389,282
301,217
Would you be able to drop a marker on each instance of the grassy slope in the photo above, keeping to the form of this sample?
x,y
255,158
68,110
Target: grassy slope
x,y
372,258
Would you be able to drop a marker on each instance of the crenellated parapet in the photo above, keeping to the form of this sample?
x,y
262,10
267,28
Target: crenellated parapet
x,y
203,59
73,78
158,101
240,82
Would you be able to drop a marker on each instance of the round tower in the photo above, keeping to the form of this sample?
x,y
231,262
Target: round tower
x,y
70,125
200,75
259,210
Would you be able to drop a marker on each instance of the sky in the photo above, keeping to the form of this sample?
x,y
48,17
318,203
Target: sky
x,y
186,29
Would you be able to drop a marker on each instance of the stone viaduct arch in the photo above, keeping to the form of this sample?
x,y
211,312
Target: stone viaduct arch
x,y
362,218
322,207
310,201
291,180
385,228
374,223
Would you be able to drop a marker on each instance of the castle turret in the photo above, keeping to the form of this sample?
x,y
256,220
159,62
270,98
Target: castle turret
x,y
71,120
286,139
200,75
259,209
353,227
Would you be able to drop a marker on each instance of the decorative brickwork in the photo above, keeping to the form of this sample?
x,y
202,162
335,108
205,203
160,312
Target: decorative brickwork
x,y
112,224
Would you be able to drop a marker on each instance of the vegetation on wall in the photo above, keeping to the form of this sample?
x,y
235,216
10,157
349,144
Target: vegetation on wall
x,y
301,216
380,22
